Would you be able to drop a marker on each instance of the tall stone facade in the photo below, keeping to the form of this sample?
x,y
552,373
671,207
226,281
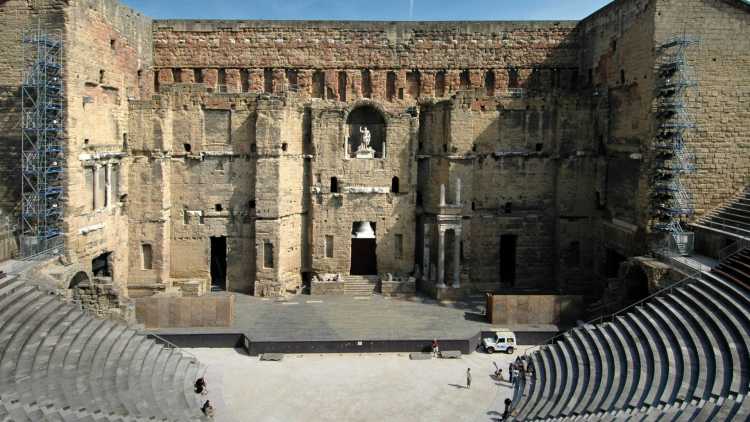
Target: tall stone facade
x,y
504,156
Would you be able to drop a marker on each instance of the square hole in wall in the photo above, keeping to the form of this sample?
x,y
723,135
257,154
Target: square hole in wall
x,y
284,146
539,147
218,207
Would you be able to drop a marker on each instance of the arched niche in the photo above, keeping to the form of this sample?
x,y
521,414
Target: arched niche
x,y
79,278
366,120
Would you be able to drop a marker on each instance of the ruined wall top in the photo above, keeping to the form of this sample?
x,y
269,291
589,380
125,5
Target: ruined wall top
x,y
360,44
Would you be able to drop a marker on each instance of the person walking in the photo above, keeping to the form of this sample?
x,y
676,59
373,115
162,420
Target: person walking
x,y
511,368
506,412
468,378
435,348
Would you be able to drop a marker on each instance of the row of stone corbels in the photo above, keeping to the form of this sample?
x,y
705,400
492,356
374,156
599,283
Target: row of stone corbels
x,y
427,81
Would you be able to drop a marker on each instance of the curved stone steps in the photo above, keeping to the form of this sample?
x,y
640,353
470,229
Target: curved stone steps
x,y
584,379
29,352
646,377
536,386
571,373
704,352
689,362
717,341
96,375
606,357
660,362
632,366
619,365
673,364
542,369
595,368
737,356
554,373
60,364
737,324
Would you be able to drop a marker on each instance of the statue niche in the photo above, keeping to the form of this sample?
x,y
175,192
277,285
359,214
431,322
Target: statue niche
x,y
367,131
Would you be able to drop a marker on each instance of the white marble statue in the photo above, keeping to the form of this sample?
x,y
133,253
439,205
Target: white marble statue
x,y
366,137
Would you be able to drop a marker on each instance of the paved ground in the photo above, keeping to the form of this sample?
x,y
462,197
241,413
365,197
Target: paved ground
x,y
374,387
323,318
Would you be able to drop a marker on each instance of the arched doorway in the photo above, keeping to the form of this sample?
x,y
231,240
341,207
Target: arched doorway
x,y
367,133
80,278
636,284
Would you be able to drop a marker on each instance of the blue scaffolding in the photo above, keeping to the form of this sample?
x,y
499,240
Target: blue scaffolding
x,y
671,200
42,144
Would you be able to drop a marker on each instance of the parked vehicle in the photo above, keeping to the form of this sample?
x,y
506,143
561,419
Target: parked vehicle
x,y
504,341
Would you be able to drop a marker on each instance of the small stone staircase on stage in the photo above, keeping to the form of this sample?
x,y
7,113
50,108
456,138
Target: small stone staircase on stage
x,y
360,285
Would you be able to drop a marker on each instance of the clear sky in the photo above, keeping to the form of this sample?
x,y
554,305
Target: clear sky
x,y
369,9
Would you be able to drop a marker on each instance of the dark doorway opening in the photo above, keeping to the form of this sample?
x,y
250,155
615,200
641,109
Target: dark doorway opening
x,y
218,263
101,266
612,264
364,245
637,285
508,259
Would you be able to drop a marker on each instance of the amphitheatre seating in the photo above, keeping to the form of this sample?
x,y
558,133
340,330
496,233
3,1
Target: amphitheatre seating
x,y
682,355
58,363
732,218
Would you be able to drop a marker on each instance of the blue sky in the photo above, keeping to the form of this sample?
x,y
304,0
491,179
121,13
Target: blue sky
x,y
369,9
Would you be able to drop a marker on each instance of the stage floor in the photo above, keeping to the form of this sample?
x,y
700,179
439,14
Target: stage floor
x,y
336,318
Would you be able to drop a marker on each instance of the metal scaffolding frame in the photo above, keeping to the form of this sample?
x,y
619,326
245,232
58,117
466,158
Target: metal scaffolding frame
x,y
42,143
671,201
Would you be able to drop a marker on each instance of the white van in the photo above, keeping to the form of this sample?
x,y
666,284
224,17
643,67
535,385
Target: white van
x,y
504,341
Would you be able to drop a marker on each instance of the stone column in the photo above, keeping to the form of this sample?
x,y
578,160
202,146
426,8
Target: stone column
x,y
442,195
457,258
458,191
441,259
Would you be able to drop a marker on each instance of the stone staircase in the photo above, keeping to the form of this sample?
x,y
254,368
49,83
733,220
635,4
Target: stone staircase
x,y
361,285
58,363
731,219
682,355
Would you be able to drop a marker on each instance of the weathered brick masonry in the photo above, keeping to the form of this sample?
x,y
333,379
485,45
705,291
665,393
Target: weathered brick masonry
x,y
189,138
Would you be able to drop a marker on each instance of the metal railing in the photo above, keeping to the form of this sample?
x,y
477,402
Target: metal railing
x,y
611,317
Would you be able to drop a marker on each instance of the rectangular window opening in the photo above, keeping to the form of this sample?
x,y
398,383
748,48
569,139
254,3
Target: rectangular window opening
x,y
267,254
329,246
147,257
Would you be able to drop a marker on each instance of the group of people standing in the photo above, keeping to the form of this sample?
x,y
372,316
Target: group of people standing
x,y
201,387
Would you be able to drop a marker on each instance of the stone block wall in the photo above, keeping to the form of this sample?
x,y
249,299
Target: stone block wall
x,y
185,312
534,309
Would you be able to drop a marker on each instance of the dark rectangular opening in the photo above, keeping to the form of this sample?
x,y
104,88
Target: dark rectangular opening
x,y
292,79
440,84
364,259
218,263
268,81
319,84
390,86
101,266
508,259
465,80
342,86
366,84
612,263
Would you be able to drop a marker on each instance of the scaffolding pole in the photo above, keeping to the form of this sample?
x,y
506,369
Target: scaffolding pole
x,y
671,200
42,146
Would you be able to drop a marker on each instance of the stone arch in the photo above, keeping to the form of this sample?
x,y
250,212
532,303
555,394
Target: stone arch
x,y
368,116
78,278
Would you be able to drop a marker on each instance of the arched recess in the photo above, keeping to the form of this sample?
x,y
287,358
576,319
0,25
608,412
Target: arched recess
x,y
79,278
366,118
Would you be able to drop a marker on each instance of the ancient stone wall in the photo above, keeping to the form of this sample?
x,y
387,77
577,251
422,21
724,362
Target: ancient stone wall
x,y
721,103
17,16
345,61
617,59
